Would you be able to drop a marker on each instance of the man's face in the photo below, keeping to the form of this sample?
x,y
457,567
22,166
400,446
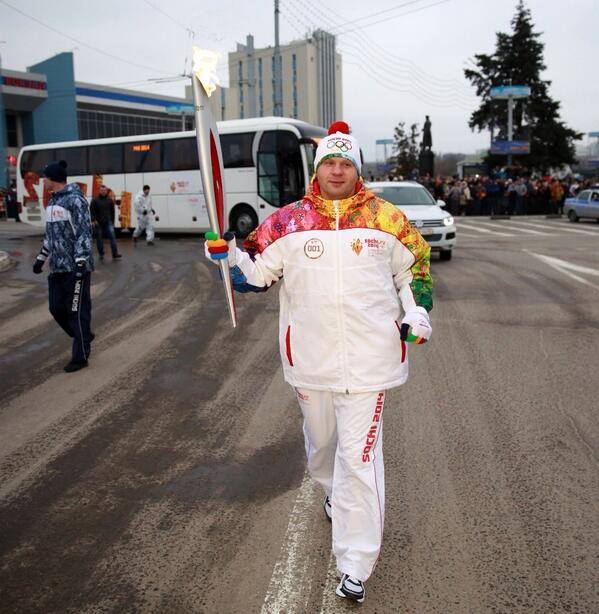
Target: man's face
x,y
146,191
337,178
103,190
52,186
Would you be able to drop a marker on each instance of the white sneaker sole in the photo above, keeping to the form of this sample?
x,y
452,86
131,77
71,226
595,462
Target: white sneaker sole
x,y
343,595
329,517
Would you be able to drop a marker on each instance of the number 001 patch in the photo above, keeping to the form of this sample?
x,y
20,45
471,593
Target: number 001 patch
x,y
314,248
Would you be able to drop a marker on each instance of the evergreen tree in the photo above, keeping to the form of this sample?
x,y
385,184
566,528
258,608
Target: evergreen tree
x,y
518,60
406,149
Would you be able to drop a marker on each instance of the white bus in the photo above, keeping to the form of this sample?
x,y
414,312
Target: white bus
x,y
267,162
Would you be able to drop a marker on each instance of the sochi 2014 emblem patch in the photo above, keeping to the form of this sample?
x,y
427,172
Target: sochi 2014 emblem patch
x,y
314,248
356,245
375,247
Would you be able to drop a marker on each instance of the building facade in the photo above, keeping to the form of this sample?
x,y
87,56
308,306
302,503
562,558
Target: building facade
x,y
45,104
311,76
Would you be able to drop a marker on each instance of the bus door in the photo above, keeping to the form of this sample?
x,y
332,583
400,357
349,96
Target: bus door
x,y
281,174
30,186
187,208
143,166
106,168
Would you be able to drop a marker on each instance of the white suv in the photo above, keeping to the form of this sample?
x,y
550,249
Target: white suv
x,y
434,224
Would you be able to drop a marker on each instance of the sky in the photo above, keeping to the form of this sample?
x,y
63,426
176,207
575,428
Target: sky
x,y
402,59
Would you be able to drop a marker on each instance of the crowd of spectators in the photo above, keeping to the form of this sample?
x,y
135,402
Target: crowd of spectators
x,y
501,194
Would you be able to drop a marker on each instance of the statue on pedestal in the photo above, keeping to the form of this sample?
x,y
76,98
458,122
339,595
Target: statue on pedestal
x,y
427,137
426,159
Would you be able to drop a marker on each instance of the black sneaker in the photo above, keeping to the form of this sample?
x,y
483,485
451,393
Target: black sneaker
x,y
117,256
351,588
150,242
75,366
328,510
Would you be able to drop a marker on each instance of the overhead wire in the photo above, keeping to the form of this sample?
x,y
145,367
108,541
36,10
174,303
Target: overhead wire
x,y
415,70
384,81
191,32
168,16
374,23
390,58
369,16
80,42
421,90
415,81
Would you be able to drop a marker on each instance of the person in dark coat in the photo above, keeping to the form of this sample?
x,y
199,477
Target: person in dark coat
x,y
102,213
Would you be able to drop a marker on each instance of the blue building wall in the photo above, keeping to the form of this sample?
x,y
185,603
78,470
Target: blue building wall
x,y
56,118
3,141
28,131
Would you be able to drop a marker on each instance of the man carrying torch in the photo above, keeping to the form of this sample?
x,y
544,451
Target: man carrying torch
x,y
354,287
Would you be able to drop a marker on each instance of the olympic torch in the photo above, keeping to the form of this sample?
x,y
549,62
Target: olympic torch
x,y
204,81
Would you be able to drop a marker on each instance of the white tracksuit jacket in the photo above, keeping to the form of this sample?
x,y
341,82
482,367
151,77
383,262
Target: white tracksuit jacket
x,y
142,203
344,268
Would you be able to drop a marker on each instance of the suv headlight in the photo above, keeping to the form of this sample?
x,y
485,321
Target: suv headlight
x,y
448,221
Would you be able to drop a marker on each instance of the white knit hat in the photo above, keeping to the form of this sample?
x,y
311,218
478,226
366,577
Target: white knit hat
x,y
339,143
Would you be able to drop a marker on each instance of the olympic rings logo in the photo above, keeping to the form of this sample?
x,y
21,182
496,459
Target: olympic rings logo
x,y
340,144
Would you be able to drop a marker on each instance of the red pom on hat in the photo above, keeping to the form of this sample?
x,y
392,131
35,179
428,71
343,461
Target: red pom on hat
x,y
339,127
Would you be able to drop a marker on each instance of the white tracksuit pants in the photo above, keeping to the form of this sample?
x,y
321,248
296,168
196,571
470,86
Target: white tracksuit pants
x,y
145,222
344,446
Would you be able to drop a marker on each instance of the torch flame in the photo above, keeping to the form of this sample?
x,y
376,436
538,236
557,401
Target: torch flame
x,y
204,68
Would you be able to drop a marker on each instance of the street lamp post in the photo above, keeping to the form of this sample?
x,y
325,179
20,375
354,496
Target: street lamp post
x,y
510,93
4,183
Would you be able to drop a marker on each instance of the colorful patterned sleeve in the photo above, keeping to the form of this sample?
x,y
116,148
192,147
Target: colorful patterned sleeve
x,y
412,276
257,271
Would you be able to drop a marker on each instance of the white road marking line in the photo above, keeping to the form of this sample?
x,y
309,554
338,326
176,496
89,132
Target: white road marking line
x,y
289,587
558,227
565,267
329,598
484,230
513,227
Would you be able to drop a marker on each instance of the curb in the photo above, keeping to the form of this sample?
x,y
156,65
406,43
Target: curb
x,y
6,262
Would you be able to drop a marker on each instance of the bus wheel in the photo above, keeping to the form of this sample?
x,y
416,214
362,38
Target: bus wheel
x,y
243,220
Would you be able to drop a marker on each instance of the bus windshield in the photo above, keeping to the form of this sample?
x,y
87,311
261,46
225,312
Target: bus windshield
x,y
309,146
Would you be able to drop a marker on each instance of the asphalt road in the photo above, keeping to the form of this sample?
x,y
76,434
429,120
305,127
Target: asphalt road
x,y
170,477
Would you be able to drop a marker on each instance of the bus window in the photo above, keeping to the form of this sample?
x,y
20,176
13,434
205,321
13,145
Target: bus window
x,y
106,159
76,159
237,149
143,157
280,174
35,161
180,155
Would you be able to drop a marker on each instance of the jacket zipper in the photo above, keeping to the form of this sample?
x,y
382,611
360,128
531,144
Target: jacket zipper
x,y
340,314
